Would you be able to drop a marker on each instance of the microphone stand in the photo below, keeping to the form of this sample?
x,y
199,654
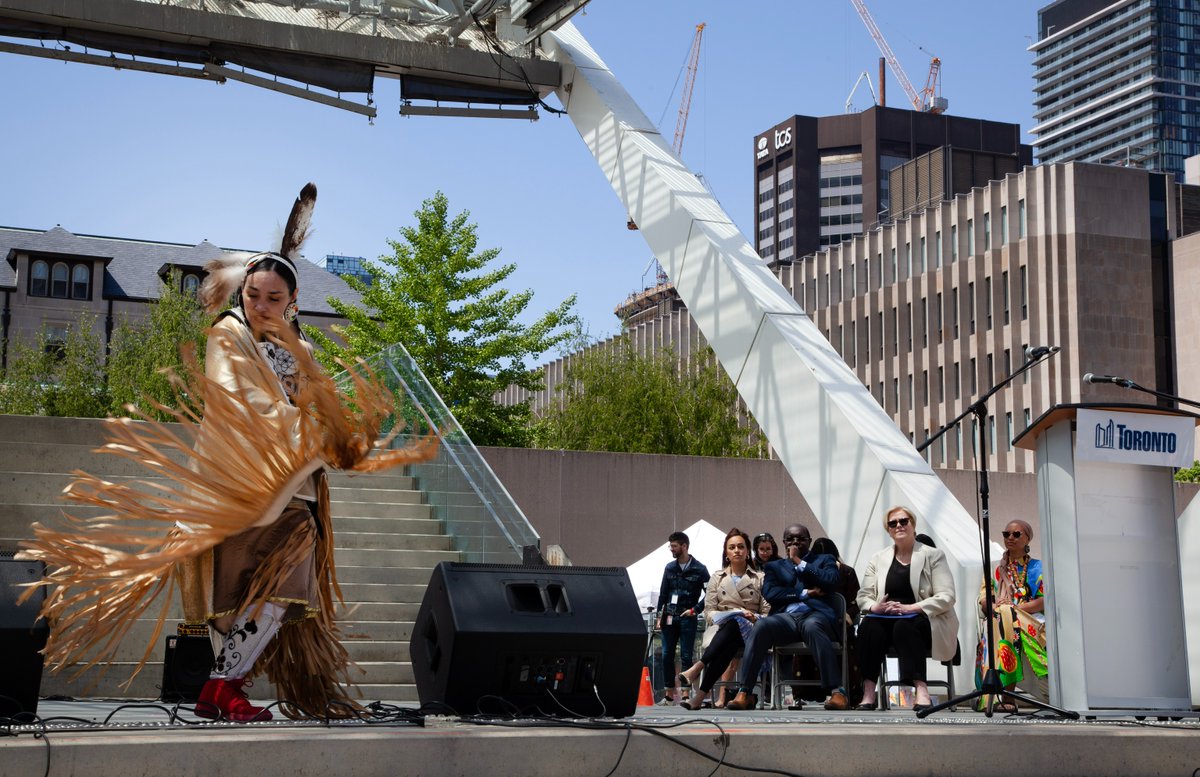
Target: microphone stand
x,y
991,687
1129,384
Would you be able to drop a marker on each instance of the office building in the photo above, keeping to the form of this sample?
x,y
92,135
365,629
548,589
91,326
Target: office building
x,y
348,265
1118,83
821,180
940,174
932,310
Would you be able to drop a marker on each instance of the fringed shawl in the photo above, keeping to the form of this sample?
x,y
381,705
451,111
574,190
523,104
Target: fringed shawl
x,y
232,470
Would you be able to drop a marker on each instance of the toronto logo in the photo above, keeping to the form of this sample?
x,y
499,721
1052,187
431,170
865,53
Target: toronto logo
x,y
1124,438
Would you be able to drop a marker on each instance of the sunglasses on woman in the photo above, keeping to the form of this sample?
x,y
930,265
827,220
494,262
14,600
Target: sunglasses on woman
x,y
897,522
1007,534
764,537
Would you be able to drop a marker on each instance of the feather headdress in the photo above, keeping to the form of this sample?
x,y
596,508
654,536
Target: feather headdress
x,y
225,275
296,230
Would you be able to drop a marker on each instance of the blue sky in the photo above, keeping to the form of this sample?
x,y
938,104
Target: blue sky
x,y
157,157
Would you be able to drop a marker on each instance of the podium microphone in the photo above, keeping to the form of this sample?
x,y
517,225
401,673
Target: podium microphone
x,y
1113,379
1037,352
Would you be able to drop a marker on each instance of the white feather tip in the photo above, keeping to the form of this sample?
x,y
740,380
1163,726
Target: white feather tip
x,y
224,277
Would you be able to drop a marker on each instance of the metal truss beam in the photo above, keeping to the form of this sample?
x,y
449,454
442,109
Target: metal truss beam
x,y
389,56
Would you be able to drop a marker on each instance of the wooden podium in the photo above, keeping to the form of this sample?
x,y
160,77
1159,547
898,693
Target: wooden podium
x,y
1115,624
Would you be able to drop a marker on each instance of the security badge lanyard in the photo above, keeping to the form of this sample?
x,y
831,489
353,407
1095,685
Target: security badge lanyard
x,y
672,607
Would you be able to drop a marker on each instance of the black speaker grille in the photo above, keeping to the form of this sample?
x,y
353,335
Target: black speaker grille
x,y
499,638
21,637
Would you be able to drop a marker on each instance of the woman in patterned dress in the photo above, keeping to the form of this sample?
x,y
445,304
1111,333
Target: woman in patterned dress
x,y
1018,628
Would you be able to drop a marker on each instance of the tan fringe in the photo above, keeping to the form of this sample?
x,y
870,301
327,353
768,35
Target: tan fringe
x,y
107,571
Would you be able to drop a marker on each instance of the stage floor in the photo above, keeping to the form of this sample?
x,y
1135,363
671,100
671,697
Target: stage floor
x,y
127,739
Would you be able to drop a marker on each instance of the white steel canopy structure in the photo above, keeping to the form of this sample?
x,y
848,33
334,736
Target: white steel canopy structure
x,y
846,456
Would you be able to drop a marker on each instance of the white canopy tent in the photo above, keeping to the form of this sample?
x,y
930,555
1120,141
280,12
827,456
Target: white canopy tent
x,y
705,541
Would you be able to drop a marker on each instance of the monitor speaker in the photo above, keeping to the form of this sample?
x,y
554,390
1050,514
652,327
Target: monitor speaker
x,y
498,639
22,637
187,662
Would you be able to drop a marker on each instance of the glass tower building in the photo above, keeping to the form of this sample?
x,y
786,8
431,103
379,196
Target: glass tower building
x,y
1118,83
347,265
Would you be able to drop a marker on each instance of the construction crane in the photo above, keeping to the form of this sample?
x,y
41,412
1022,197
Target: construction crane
x,y
685,100
928,99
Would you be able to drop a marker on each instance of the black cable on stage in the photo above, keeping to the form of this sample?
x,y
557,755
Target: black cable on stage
x,y
654,730
45,738
421,711
592,723
573,713
621,755
5,730
172,714
68,719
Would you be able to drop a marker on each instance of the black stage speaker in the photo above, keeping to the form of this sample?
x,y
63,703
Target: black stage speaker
x,y
22,636
499,639
187,662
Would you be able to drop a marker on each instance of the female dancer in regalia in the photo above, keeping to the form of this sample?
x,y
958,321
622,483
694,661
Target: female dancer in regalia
x,y
244,529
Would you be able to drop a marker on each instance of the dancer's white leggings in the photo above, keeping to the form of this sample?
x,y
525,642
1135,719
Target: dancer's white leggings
x,y
246,640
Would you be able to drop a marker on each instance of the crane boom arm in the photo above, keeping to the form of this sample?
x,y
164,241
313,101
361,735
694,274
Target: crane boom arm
x,y
685,100
886,50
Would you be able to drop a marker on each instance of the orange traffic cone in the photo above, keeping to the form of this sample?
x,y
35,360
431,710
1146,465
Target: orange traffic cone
x,y
645,693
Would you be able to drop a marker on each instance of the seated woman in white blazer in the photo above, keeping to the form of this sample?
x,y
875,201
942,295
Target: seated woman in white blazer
x,y
907,602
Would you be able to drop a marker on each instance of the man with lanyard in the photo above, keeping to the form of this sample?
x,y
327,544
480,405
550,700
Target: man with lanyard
x,y
799,589
680,600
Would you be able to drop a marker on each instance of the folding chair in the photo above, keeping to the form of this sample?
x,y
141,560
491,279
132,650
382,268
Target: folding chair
x,y
948,683
804,649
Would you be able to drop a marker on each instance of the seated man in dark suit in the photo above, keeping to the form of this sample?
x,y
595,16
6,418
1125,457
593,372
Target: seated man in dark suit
x,y
799,589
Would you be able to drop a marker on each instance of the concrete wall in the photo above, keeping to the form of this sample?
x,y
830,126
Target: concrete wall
x,y
610,509
613,508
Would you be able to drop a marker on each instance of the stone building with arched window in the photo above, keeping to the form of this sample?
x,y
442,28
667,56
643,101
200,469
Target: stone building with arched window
x,y
49,277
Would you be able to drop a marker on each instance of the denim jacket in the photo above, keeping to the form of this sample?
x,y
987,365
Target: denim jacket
x,y
689,584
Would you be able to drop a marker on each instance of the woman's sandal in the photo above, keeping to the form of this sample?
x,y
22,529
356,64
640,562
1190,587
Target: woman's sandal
x,y
1007,707
868,706
682,681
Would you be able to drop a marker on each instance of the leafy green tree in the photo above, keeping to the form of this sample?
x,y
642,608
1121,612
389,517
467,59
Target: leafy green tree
x,y
57,376
79,387
1189,474
141,349
618,400
25,387
441,297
